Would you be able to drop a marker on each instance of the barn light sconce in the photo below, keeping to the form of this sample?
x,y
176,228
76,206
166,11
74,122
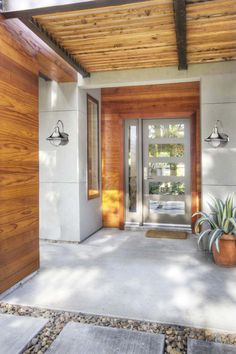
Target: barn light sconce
x,y
58,136
216,138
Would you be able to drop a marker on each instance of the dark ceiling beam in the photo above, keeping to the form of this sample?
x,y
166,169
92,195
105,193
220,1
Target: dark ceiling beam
x,y
180,29
53,44
15,9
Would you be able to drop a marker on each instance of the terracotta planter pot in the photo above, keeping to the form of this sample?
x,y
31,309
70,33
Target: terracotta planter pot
x,y
227,255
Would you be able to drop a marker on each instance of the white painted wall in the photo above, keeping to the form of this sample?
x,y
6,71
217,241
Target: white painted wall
x,y
218,101
65,212
59,189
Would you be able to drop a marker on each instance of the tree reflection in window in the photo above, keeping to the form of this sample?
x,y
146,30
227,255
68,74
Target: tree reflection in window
x,y
165,131
167,188
166,169
166,150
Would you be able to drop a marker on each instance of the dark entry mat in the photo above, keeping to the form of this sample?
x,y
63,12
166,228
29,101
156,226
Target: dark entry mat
x,y
181,235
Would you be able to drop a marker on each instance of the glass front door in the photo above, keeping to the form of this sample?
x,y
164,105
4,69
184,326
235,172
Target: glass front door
x,y
166,171
157,172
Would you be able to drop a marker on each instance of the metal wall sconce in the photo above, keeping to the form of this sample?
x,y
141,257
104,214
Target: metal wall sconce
x,y
217,139
58,136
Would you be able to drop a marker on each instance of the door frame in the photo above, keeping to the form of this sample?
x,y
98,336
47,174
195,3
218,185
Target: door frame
x,y
195,150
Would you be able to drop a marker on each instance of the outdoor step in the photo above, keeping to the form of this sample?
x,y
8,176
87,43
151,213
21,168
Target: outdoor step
x,y
88,339
16,332
201,347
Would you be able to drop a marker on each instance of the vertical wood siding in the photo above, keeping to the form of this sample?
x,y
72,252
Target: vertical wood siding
x,y
19,171
22,56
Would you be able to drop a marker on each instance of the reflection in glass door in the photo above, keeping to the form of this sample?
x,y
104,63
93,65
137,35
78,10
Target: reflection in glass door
x,y
132,173
166,172
157,172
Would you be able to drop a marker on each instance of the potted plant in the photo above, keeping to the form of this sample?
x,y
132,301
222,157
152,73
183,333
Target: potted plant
x,y
220,230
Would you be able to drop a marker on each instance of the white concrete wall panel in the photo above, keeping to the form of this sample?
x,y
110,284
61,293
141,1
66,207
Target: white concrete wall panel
x,y
58,164
59,211
65,212
59,173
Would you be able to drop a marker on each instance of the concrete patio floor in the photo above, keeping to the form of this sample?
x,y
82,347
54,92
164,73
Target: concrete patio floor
x,y
124,274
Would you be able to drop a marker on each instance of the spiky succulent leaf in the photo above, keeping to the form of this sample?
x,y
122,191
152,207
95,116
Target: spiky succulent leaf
x,y
218,205
224,216
232,221
229,204
214,235
203,220
226,226
217,243
203,234
234,213
200,213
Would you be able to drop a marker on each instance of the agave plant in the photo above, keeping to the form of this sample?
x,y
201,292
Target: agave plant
x,y
221,221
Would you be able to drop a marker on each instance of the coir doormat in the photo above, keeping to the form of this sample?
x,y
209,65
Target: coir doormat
x,y
181,235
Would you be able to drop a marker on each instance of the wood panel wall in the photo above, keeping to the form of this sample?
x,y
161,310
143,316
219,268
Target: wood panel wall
x,y
19,166
141,102
17,41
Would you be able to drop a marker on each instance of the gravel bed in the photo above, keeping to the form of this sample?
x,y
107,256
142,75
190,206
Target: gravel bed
x,y
175,340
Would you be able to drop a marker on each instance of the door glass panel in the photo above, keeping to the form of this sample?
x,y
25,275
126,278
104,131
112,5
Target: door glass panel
x,y
132,168
157,169
166,131
167,207
167,188
166,150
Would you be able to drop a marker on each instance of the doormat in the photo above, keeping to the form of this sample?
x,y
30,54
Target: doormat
x,y
178,235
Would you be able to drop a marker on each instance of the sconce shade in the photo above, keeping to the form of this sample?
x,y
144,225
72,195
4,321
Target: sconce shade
x,y
58,137
216,138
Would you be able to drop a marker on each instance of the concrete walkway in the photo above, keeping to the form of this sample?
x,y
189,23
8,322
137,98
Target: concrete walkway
x,y
16,332
124,274
201,347
80,339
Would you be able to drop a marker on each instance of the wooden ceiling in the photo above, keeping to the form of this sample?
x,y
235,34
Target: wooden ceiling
x,y
142,35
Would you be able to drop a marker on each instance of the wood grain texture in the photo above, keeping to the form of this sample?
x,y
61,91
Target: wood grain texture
x,y
22,57
143,102
19,167
142,35
14,36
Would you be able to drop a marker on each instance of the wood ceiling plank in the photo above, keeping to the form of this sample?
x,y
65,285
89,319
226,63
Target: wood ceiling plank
x,y
53,44
225,22
217,53
129,67
152,20
142,34
105,10
78,16
140,54
121,45
213,37
130,59
77,35
29,8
